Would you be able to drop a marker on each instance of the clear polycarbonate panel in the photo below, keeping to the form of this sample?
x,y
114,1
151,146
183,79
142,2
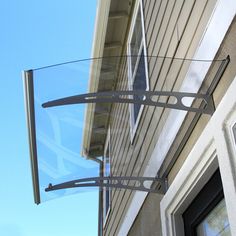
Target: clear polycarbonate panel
x,y
56,132
59,130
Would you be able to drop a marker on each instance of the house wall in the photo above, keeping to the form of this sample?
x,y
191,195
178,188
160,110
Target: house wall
x,y
227,48
173,29
150,228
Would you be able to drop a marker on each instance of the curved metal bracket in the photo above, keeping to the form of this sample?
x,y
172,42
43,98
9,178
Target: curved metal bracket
x,y
151,98
133,183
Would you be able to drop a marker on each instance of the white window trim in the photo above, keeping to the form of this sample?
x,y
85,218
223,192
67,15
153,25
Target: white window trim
x,y
107,145
229,132
134,125
195,173
216,145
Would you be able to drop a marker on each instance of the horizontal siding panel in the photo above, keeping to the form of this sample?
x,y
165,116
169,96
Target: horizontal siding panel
x,y
152,13
159,44
153,30
146,7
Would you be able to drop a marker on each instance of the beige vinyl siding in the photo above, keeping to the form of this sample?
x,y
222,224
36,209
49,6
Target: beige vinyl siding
x,y
173,28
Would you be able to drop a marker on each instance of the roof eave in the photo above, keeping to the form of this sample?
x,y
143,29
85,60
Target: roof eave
x,y
102,16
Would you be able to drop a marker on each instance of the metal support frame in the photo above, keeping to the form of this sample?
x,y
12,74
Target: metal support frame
x,y
133,183
150,98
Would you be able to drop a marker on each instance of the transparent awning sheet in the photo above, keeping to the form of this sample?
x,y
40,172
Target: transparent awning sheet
x,y
56,132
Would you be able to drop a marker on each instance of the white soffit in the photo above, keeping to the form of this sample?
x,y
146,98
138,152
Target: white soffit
x,y
97,51
220,21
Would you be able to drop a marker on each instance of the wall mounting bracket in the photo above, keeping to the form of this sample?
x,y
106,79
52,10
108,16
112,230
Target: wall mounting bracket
x,y
125,182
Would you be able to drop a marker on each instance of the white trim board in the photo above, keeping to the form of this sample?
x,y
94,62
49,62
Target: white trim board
x,y
180,195
220,21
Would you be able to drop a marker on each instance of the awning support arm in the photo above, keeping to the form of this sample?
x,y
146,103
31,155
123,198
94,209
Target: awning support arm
x,y
145,184
150,98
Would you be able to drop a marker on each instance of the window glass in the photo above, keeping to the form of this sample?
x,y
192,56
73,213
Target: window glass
x,y
139,82
216,223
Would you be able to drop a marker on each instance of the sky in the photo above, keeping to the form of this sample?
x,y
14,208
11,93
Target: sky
x,y
36,34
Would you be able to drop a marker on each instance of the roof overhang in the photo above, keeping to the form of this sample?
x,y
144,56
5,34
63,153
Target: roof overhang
x,y
110,33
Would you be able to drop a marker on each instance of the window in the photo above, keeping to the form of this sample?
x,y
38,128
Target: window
x,y
106,191
207,215
137,64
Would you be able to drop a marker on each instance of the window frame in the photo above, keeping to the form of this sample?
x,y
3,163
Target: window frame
x,y
131,75
107,149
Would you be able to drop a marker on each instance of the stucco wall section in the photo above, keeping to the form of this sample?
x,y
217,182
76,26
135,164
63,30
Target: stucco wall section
x,y
148,222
